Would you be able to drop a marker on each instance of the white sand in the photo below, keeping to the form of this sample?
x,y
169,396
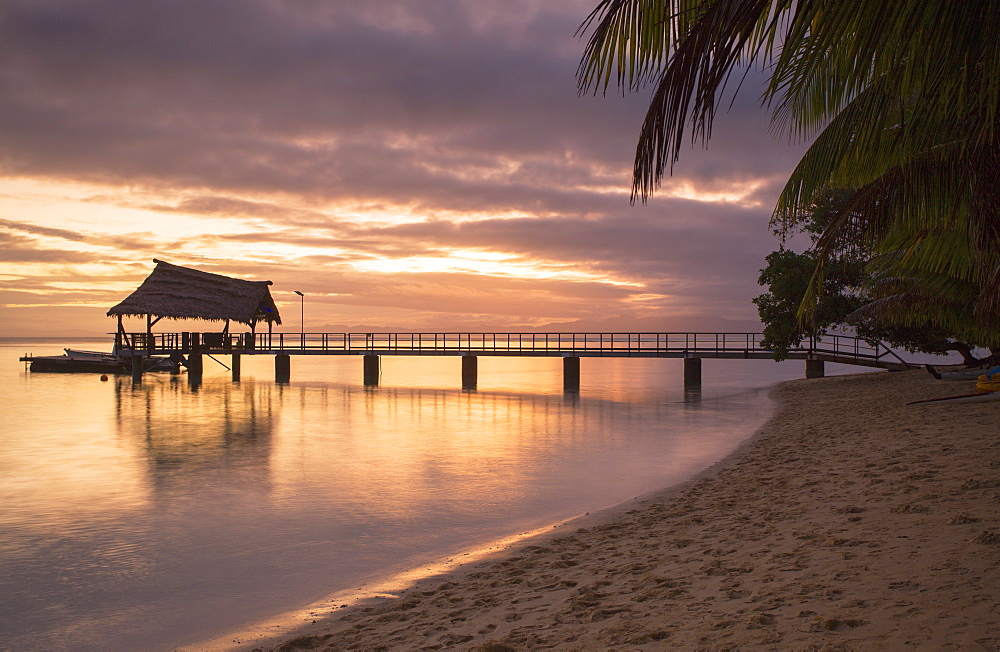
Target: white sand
x,y
852,521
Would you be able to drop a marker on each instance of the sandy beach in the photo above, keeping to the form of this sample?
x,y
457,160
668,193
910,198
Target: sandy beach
x,y
850,521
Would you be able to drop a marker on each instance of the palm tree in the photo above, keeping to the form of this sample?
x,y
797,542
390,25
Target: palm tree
x,y
911,289
903,99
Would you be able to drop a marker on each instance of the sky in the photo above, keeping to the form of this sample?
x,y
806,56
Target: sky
x,y
411,165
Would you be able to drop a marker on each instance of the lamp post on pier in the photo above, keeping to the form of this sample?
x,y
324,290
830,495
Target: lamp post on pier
x,y
302,318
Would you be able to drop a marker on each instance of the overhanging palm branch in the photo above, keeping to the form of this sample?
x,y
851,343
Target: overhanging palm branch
x,y
905,96
939,304
821,54
922,211
688,48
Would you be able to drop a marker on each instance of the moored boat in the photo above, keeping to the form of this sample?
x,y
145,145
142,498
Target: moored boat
x,y
961,374
74,360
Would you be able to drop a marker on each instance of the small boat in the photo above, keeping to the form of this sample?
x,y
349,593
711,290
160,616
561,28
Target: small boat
x,y
960,374
75,360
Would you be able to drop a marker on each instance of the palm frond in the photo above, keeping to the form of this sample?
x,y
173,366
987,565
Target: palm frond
x,y
903,98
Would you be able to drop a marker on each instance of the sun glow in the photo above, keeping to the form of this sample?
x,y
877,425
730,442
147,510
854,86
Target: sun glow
x,y
485,263
92,245
102,305
733,194
89,208
639,298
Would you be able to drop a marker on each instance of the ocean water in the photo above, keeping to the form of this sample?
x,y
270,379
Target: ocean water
x,y
152,515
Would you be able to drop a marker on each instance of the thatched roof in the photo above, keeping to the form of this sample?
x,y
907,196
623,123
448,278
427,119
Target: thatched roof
x,y
177,292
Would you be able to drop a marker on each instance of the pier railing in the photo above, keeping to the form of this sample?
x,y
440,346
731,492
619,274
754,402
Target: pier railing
x,y
838,348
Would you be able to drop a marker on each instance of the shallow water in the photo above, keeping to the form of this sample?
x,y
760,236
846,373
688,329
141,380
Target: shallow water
x,y
152,515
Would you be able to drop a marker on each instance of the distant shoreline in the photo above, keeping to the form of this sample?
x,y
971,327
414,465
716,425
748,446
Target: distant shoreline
x,y
848,519
56,339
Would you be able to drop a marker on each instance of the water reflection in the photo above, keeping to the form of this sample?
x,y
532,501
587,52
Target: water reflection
x,y
192,439
146,515
398,451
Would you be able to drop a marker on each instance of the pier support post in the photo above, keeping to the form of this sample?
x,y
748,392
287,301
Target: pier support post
x,y
571,374
371,369
470,371
235,364
195,367
692,373
282,368
137,368
815,369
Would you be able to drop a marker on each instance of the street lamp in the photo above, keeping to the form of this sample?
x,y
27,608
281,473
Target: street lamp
x,y
302,317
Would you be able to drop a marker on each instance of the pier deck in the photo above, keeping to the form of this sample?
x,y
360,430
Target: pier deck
x,y
692,347
830,348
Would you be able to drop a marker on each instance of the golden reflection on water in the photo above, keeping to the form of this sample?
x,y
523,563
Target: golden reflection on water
x,y
188,436
62,461
384,452
143,511
400,451
388,452
387,449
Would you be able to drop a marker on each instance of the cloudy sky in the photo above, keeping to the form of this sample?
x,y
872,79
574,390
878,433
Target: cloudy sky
x,y
410,165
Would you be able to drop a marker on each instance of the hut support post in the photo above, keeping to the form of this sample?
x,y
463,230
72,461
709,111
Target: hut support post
x,y
196,365
121,339
470,371
282,368
371,370
815,369
571,374
235,365
692,373
137,367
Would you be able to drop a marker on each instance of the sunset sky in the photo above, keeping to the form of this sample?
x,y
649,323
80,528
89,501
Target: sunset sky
x,y
412,165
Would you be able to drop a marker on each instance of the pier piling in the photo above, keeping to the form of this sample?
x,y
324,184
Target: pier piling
x,y
195,366
282,368
692,373
371,369
235,365
470,371
571,374
137,367
815,369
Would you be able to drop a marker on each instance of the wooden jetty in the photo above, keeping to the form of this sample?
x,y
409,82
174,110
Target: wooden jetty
x,y
571,347
181,293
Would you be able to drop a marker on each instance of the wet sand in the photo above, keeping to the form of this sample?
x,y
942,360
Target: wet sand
x,y
850,521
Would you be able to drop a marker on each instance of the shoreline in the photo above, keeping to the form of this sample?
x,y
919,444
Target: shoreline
x,y
848,521
273,632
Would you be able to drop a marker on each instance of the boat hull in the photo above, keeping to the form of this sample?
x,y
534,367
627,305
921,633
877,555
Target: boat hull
x,y
93,362
66,364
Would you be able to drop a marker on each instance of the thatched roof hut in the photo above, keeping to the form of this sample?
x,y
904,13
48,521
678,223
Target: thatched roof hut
x,y
176,292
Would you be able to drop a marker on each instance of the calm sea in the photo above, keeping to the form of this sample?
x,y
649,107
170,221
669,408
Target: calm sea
x,y
154,515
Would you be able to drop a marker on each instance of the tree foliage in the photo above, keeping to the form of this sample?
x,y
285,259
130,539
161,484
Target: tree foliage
x,y
903,99
851,287
786,276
